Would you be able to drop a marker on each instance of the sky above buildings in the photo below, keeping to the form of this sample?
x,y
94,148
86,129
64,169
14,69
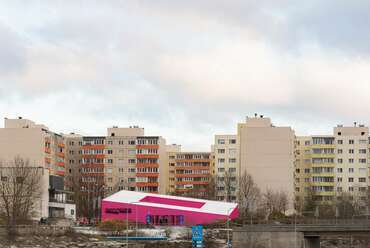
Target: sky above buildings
x,y
185,70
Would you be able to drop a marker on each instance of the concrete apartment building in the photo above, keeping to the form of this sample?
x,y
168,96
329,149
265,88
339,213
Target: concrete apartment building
x,y
333,165
43,149
227,167
267,154
172,151
193,172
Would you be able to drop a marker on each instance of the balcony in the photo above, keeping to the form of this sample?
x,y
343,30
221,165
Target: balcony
x,y
60,154
147,146
147,184
61,145
47,150
61,164
60,172
147,155
147,174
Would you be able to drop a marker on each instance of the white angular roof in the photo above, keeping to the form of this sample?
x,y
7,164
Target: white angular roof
x,y
179,203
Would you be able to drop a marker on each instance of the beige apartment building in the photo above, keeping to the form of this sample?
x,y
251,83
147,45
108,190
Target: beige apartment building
x,y
43,149
226,164
172,151
266,152
329,166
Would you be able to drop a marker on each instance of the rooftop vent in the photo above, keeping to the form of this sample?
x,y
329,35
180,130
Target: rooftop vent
x,y
115,126
339,125
361,125
20,117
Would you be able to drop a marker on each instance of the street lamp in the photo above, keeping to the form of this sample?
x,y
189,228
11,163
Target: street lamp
x,y
227,222
127,221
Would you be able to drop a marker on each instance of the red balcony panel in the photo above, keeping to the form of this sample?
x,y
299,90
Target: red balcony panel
x,y
147,155
138,174
146,184
147,146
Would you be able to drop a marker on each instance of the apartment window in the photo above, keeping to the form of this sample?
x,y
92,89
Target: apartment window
x,y
231,170
110,161
232,160
221,141
110,179
4,179
350,179
340,161
132,161
362,160
232,151
297,189
362,180
110,142
121,170
232,141
340,142
131,142
351,151
350,189
110,151
351,160
362,151
297,170
132,170
351,141
339,151
307,161
307,179
339,189
306,170
339,179
362,189
221,160
131,152
350,170
120,142
221,170
339,170
221,151
131,179
307,143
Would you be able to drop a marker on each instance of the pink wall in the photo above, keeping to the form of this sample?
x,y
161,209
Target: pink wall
x,y
191,218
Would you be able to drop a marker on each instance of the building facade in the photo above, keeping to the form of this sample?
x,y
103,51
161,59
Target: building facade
x,y
193,172
267,154
329,166
45,149
227,167
154,209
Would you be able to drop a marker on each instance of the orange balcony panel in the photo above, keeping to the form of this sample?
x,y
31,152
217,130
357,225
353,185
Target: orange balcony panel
x,y
147,165
147,146
60,173
60,154
61,145
47,160
92,165
147,174
147,155
93,155
93,147
47,150
93,174
61,164
143,184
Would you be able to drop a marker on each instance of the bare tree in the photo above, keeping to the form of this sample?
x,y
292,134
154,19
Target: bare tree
x,y
226,183
275,202
248,194
20,190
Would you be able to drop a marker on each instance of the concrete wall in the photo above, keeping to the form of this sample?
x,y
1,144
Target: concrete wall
x,y
267,240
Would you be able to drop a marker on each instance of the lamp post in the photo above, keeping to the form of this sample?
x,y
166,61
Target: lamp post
x,y
127,221
228,220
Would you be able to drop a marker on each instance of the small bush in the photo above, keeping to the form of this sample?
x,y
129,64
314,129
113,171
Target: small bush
x,y
112,225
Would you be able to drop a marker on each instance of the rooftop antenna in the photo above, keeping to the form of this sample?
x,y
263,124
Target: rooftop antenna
x,y
255,115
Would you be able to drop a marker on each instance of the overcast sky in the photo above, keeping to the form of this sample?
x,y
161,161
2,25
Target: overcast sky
x,y
185,70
